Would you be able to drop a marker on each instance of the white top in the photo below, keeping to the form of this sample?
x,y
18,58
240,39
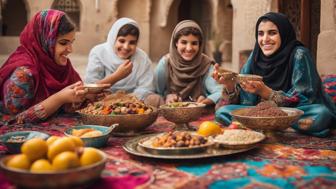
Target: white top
x,y
103,61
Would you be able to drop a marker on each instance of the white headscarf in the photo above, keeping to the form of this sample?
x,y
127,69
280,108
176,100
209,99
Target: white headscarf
x,y
103,61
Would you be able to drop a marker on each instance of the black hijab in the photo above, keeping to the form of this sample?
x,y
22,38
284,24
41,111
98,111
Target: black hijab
x,y
276,69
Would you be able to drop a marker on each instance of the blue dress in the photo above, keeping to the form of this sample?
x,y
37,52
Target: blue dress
x,y
211,88
304,94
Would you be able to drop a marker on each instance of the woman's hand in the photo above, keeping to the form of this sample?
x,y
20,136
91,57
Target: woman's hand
x,y
124,69
173,98
74,93
257,88
229,83
203,100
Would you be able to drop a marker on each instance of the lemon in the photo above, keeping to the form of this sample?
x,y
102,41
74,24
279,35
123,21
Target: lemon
x,y
19,161
41,165
90,156
78,141
209,128
65,160
35,148
52,139
61,145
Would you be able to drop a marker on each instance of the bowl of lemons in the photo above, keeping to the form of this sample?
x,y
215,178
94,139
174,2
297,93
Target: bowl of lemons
x,y
60,162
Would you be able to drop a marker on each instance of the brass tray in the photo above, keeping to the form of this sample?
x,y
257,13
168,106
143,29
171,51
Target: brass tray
x,y
132,147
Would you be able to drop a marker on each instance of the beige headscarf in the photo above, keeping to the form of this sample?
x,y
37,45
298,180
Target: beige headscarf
x,y
186,77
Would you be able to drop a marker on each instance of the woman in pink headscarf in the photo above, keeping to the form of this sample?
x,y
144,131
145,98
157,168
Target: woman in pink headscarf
x,y
38,78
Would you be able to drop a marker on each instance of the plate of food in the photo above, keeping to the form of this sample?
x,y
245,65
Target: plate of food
x,y
267,116
238,138
14,140
136,147
177,142
131,114
92,135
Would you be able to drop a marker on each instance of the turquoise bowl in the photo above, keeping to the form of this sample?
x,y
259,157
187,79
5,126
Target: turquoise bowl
x,y
14,140
96,142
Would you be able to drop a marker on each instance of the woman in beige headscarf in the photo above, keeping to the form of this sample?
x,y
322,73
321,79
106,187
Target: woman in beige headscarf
x,y
184,74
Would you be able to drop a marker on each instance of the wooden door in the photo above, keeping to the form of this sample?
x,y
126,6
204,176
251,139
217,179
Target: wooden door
x,y
305,17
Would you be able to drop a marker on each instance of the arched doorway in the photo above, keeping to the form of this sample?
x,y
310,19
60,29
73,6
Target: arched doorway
x,y
305,17
199,11
71,7
14,17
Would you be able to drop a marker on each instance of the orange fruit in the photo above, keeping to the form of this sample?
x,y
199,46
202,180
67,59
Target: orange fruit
x,y
52,139
78,141
41,165
90,156
61,145
65,160
209,128
35,148
19,161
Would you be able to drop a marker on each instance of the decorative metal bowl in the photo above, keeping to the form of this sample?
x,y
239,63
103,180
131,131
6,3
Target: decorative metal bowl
x,y
182,115
126,123
268,123
248,77
226,74
70,178
96,88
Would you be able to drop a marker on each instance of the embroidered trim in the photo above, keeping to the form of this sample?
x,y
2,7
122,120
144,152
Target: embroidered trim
x,y
231,95
277,97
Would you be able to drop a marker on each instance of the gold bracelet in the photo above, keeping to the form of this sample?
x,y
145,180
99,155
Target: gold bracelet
x,y
232,94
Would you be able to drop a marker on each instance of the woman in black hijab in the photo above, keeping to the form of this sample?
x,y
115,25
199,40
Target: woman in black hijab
x,y
290,78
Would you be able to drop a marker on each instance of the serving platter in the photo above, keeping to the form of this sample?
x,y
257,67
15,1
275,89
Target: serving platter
x,y
147,144
132,146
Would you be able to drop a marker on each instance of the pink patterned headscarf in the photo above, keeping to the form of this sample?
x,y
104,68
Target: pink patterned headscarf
x,y
37,51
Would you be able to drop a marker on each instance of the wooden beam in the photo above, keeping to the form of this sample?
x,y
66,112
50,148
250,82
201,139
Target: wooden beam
x,y
305,22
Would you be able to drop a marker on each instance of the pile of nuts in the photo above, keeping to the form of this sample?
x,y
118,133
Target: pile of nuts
x,y
179,139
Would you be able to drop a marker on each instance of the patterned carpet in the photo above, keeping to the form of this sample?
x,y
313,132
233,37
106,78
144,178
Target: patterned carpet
x,y
294,161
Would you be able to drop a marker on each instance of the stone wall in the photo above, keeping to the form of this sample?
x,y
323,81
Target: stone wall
x,y
326,47
245,15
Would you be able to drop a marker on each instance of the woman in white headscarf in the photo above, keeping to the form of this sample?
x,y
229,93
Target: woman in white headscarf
x,y
120,62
